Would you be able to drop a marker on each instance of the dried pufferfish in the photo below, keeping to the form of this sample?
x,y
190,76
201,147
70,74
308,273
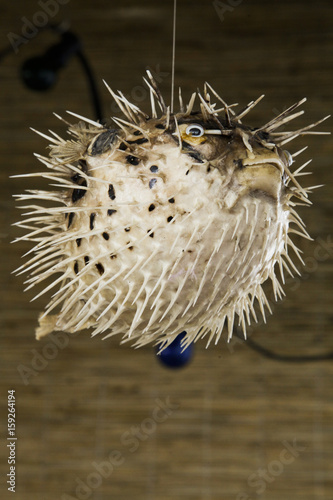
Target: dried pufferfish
x,y
164,224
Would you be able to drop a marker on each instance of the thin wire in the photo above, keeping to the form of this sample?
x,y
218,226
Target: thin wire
x,y
289,358
95,97
267,353
173,54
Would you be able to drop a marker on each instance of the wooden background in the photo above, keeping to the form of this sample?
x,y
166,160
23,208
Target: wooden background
x,y
233,411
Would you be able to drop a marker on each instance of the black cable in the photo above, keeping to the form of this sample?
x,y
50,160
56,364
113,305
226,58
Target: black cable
x,y
267,353
92,85
53,60
53,27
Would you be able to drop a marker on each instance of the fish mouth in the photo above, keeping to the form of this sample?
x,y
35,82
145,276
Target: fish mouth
x,y
275,162
263,175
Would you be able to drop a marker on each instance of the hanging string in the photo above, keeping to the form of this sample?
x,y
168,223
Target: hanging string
x,y
173,54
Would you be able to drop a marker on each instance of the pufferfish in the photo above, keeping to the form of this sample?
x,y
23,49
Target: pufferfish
x,y
164,224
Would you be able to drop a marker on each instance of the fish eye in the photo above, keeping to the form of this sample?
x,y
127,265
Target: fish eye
x,y
195,130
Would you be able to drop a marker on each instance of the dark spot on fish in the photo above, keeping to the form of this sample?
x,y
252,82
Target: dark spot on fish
x,y
106,236
133,160
113,256
160,125
111,211
122,147
171,200
152,183
103,142
92,220
190,251
239,164
112,194
263,135
78,242
208,169
154,168
187,172
76,178
151,234
130,248
83,165
186,146
169,219
151,207
76,267
127,229
196,156
142,140
77,194
86,260
70,219
100,268
191,151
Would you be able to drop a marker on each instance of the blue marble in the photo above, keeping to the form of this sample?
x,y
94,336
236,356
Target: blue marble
x,y
173,356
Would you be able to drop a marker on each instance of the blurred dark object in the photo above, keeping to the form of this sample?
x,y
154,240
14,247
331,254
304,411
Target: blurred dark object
x,y
175,356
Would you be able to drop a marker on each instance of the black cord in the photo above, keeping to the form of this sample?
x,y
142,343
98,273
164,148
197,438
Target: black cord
x,y
53,27
267,353
95,97
92,84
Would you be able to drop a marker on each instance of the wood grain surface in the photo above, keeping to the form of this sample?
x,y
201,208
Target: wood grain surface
x,y
100,421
